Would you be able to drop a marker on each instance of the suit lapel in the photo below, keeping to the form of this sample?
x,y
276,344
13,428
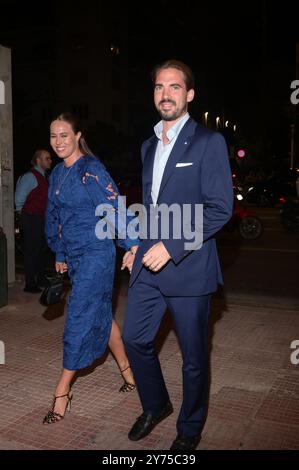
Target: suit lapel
x,y
180,147
147,174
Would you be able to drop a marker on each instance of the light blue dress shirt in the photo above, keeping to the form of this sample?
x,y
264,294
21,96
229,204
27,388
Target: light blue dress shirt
x,y
163,152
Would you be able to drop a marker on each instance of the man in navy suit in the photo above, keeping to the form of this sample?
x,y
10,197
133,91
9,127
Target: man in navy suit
x,y
187,165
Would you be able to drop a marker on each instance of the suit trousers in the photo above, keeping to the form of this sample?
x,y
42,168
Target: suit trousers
x,y
145,309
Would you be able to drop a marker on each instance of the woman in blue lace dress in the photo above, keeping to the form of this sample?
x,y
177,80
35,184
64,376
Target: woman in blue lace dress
x,y
77,187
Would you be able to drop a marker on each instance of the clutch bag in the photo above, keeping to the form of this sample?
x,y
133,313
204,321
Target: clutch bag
x,y
53,290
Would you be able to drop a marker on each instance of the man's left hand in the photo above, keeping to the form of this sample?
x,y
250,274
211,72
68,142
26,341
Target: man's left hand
x,y
156,257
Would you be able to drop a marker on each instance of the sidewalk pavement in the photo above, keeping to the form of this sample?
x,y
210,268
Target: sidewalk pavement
x,y
254,390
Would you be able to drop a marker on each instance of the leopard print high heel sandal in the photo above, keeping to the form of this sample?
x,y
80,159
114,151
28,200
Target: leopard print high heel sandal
x,y
127,386
52,416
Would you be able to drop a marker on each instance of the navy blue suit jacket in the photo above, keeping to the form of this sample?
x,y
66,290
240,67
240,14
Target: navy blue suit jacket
x,y
208,182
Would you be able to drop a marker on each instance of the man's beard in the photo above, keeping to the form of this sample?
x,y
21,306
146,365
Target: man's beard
x,y
171,115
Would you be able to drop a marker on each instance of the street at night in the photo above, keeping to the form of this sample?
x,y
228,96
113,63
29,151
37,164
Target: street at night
x,y
266,267
254,385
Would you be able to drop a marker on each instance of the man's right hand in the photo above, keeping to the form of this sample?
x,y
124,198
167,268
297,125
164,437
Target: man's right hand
x,y
60,267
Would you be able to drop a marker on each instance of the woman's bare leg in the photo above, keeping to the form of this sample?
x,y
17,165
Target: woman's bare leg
x,y
63,388
117,348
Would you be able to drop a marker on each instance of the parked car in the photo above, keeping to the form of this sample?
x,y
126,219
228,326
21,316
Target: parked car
x,y
269,192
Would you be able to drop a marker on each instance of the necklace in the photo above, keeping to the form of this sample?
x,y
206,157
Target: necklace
x,y
62,180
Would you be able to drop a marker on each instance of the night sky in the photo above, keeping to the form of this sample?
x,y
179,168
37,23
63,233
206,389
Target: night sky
x,y
243,55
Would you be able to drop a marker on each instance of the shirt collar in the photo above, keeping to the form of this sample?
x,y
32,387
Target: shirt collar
x,y
39,169
174,130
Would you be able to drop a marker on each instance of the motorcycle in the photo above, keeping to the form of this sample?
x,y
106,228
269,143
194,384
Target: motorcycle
x,y
247,223
289,214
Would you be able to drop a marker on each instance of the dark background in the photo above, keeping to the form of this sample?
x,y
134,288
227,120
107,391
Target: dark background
x,y
95,58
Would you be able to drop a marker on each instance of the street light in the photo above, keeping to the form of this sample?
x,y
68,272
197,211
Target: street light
x,y
206,118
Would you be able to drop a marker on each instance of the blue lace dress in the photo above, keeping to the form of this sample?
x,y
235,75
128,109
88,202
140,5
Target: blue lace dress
x,y
71,222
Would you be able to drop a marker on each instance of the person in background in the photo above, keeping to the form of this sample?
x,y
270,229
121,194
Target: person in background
x,y
31,201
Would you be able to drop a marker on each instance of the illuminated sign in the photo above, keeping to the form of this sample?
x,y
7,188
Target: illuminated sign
x,y
241,153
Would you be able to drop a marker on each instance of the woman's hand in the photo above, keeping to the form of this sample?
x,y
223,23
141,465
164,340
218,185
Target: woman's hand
x,y
60,267
129,258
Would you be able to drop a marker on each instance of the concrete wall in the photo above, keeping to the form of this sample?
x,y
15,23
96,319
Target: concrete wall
x,y
6,159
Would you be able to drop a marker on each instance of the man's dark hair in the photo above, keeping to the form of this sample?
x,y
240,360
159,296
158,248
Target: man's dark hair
x,y
175,64
37,154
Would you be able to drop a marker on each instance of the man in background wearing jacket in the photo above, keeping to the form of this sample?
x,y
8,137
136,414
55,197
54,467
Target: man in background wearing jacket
x,y
31,200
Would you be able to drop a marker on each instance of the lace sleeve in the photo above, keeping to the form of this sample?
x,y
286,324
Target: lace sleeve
x,y
110,205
